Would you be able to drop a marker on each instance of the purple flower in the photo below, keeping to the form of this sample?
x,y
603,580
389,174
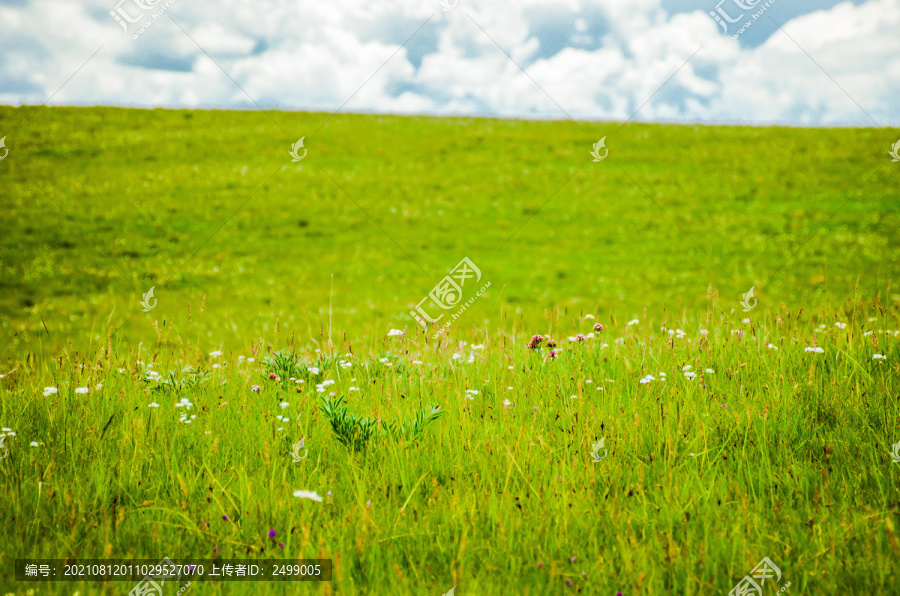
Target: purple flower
x,y
256,388
368,503
329,493
225,517
271,533
573,559
540,563
618,593
215,549
281,544
583,574
568,582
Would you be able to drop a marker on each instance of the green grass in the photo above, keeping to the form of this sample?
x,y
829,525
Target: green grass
x,y
780,452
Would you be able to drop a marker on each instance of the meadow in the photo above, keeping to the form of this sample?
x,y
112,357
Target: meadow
x,y
729,435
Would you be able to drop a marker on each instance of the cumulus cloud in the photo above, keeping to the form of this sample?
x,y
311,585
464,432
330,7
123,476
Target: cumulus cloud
x,y
832,63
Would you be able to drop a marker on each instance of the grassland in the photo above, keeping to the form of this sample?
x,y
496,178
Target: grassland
x,y
772,449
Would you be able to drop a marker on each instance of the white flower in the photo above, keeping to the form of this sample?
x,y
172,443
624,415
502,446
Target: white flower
x,y
690,375
573,397
506,402
50,391
817,349
772,346
587,381
307,494
5,429
417,362
284,405
478,347
384,360
604,346
472,391
153,405
710,371
251,359
217,365
353,389
345,364
455,357
314,370
121,370
878,357
648,379
11,433
34,444
81,390
327,382
241,358
394,333
630,323
184,403
840,325
745,320
686,367
216,354
704,332
589,335
588,316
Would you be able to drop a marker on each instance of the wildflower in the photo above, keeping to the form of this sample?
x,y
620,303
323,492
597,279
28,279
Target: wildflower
x,y
589,316
647,379
329,493
417,362
314,370
506,402
184,403
256,388
878,357
368,503
273,376
690,375
34,444
395,333
686,367
568,582
552,354
81,390
598,327
306,494
225,517
271,533
284,404
50,391
472,391
840,325
456,357
630,323
217,365
771,347
540,563
710,371
251,359
551,343
817,349
353,389
573,559
216,354
535,342
153,405
281,545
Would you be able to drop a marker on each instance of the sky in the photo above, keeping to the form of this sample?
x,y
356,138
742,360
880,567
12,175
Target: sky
x,y
799,62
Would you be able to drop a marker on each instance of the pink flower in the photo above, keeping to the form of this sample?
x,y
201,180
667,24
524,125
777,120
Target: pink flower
x,y
256,388
598,327
552,354
535,342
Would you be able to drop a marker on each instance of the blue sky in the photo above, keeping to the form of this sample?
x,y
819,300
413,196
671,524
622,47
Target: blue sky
x,y
799,62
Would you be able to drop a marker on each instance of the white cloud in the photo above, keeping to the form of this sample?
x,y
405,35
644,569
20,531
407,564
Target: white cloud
x,y
597,60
